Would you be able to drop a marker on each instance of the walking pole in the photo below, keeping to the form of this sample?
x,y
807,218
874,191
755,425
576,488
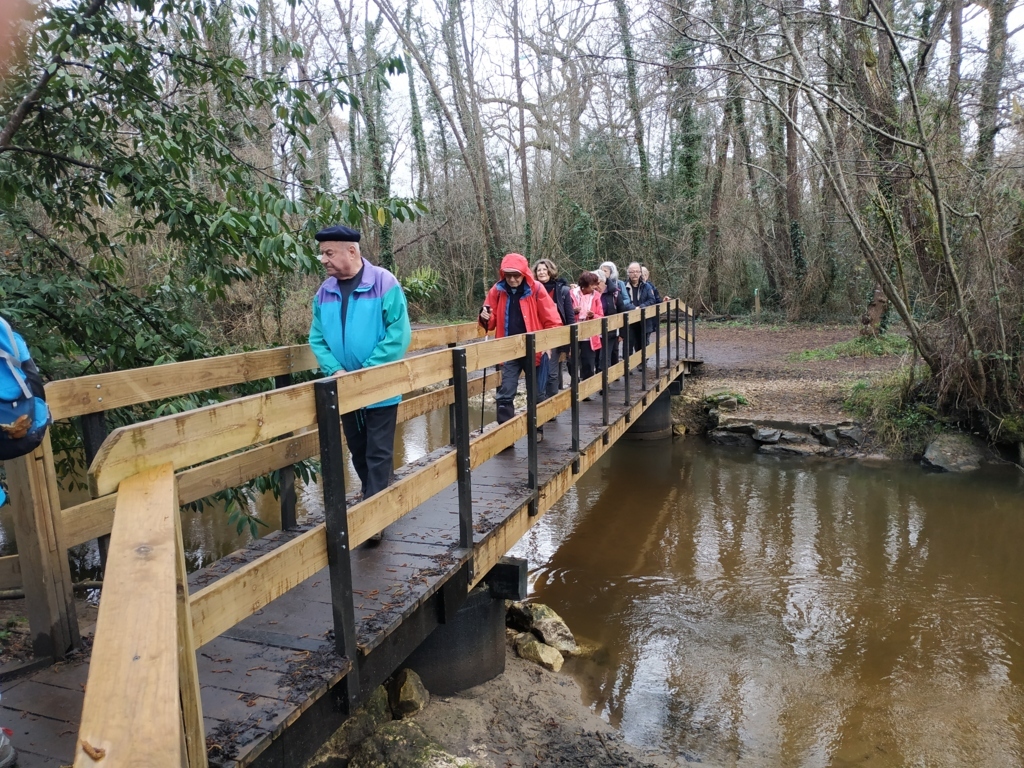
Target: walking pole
x,y
483,394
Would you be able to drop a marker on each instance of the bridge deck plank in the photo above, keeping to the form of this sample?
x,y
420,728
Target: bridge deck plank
x,y
261,675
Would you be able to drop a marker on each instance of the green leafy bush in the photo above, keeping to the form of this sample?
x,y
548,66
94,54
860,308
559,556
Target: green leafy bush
x,y
896,408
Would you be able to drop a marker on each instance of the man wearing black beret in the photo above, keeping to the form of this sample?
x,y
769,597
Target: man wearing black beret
x,y
360,319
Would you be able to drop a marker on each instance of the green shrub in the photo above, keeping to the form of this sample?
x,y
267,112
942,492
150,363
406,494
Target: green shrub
x,y
896,408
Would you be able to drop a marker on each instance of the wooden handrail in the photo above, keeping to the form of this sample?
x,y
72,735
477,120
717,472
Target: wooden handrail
x,y
188,438
131,715
68,398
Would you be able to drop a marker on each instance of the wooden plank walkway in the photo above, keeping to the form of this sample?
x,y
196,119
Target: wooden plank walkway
x,y
261,676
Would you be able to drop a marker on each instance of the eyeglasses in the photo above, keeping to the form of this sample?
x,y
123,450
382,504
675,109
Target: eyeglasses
x,y
514,275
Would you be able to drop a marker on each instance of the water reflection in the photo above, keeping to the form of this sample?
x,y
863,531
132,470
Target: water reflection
x,y
759,613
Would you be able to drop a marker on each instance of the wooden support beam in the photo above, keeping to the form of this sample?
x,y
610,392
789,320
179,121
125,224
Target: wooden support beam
x,y
218,607
131,716
42,553
10,572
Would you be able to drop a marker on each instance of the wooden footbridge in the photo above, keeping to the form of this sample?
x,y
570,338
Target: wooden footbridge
x,y
257,658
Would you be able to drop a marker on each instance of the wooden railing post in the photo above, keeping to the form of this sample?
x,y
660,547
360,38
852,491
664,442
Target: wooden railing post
x,y
188,670
531,421
332,480
286,475
462,449
574,390
94,432
42,555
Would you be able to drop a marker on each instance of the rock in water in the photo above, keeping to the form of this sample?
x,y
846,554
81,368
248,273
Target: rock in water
x,y
530,648
953,452
556,633
407,694
731,439
522,616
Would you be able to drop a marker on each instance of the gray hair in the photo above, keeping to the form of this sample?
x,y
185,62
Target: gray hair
x,y
601,278
612,269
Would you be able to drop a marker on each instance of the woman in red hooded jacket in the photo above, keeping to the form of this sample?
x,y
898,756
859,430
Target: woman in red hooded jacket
x,y
516,304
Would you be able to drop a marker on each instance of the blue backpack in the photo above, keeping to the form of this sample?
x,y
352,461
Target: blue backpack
x,y
24,415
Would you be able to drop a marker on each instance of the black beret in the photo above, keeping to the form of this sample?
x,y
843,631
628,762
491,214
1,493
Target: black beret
x,y
338,233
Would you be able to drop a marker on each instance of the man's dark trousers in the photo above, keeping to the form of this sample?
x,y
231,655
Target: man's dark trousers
x,y
370,434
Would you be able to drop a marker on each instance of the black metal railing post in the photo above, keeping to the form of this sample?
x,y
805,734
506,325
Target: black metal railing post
x,y
574,392
94,432
678,302
454,406
286,475
339,563
657,346
462,450
643,348
604,372
693,335
531,420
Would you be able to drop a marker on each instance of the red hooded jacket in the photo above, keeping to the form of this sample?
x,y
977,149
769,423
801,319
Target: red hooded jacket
x,y
539,311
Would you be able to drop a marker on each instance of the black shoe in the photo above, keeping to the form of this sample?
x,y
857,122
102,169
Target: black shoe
x,y
540,434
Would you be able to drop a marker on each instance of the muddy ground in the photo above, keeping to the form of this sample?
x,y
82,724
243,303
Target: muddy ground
x,y
756,362
529,717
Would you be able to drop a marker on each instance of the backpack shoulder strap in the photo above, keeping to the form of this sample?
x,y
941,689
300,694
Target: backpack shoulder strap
x,y
12,359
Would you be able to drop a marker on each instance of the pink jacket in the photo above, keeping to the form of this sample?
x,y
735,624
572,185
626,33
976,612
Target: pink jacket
x,y
587,303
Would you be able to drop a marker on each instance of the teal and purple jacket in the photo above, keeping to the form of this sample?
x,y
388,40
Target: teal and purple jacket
x,y
376,329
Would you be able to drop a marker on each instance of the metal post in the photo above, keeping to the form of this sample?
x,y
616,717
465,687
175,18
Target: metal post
x,y
677,329
94,432
332,480
604,371
693,332
574,390
452,425
286,475
531,420
461,440
643,348
625,367
657,346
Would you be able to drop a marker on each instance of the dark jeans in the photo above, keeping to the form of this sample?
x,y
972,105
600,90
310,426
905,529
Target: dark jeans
x,y
555,373
588,359
506,394
370,434
637,338
613,351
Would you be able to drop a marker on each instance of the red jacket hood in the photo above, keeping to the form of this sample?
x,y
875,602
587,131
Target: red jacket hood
x,y
516,262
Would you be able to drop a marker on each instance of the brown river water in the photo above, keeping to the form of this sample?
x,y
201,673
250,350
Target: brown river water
x,y
755,612
750,611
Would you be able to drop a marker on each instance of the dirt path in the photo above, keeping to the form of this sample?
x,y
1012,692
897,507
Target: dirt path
x,y
755,361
